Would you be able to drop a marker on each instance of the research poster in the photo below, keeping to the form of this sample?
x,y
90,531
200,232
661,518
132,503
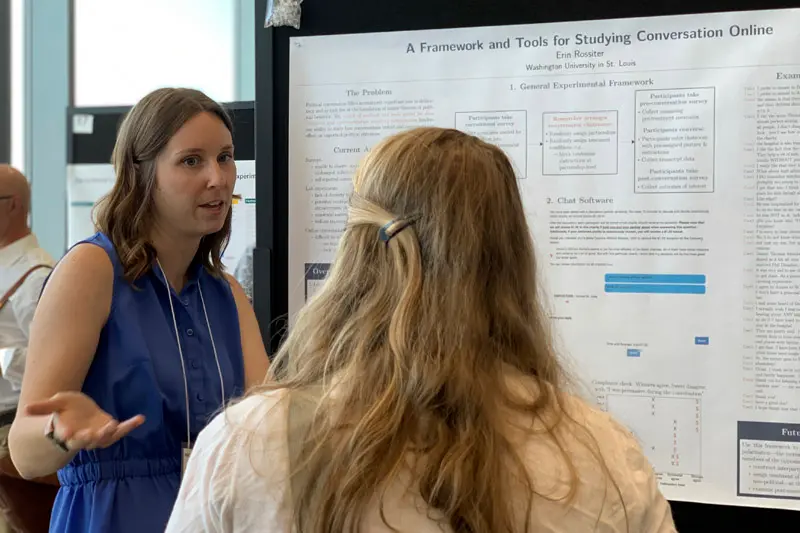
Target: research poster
x,y
243,220
659,163
88,183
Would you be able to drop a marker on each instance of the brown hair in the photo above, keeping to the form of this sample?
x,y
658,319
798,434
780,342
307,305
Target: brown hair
x,y
411,342
125,214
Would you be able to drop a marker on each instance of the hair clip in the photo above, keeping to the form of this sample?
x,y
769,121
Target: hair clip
x,y
396,226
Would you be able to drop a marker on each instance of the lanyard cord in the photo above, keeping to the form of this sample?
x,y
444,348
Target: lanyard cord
x,y
213,346
180,350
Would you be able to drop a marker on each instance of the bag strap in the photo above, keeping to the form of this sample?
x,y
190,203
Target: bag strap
x,y
15,287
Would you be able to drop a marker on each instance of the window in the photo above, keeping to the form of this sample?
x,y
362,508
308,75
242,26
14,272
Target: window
x,y
124,49
18,84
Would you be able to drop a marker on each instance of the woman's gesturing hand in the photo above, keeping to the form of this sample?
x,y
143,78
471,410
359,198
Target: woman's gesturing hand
x,y
77,422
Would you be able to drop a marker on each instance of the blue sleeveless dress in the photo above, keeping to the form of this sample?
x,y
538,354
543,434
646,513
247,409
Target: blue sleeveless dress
x,y
132,485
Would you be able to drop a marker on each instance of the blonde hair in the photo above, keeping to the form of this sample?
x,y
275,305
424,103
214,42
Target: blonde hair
x,y
431,299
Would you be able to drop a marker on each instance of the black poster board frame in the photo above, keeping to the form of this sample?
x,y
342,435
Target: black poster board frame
x,y
96,145
326,17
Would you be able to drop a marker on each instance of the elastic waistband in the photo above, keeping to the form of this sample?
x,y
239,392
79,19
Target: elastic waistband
x,y
118,470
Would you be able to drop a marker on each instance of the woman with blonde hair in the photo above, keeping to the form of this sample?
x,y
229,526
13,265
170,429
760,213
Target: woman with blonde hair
x,y
418,391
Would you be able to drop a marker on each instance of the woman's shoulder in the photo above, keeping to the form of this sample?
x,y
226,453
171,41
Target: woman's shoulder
x,y
217,287
238,471
261,424
85,269
624,460
247,442
597,419
259,416
618,444
256,406
93,257
100,243
575,408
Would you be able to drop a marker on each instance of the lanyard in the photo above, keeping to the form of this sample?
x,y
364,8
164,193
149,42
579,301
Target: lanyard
x,y
180,351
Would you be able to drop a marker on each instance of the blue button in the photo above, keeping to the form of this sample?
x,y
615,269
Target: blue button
x,y
195,364
633,352
702,341
200,397
190,332
186,302
698,279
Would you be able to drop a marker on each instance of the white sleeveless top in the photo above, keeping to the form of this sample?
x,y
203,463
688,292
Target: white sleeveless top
x,y
237,480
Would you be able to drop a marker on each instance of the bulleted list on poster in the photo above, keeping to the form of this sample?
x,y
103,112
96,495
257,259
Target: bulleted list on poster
x,y
769,460
675,140
580,143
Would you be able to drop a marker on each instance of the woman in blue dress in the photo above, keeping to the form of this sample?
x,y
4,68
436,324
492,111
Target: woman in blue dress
x,y
140,336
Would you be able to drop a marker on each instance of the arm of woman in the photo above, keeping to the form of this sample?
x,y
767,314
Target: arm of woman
x,y
64,333
256,361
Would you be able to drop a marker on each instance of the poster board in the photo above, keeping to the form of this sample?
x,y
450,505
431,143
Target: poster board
x,y
90,174
669,276
276,48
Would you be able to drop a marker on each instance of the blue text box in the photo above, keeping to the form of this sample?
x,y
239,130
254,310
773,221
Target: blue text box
x,y
646,288
633,352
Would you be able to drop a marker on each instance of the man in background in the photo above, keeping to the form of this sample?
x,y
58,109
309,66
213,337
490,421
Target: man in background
x,y
24,266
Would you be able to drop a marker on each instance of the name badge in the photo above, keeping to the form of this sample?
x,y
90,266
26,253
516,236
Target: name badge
x,y
187,451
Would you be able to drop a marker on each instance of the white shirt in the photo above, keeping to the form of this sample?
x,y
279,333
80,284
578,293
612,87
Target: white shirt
x,y
16,315
236,480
